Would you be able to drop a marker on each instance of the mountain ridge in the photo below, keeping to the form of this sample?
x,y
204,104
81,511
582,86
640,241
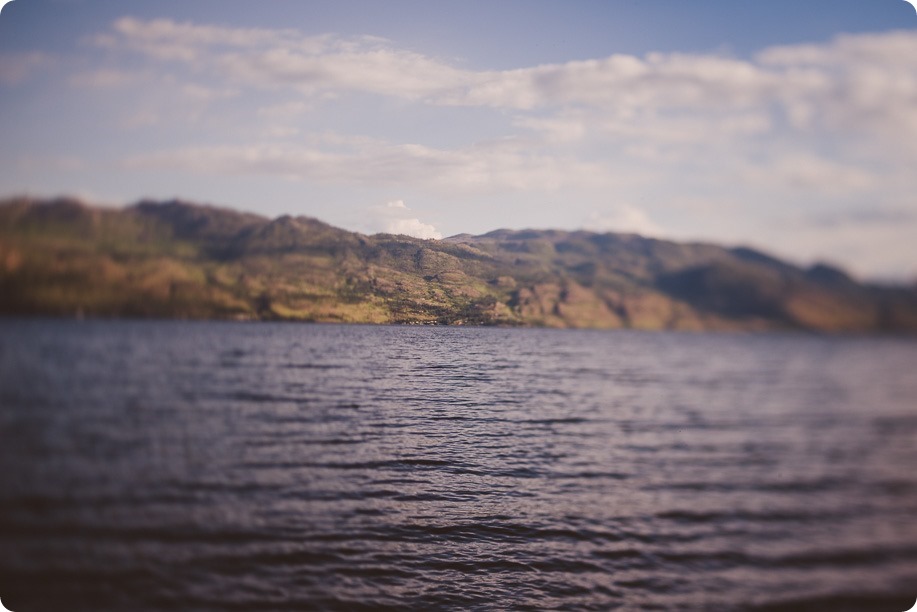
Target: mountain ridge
x,y
178,259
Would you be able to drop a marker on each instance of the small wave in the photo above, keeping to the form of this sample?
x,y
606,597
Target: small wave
x,y
478,566
184,534
312,366
500,531
424,462
852,602
696,516
261,398
558,421
620,554
704,560
842,557
565,565
382,464
792,487
651,584
587,475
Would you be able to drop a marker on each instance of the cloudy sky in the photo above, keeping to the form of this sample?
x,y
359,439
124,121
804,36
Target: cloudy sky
x,y
783,124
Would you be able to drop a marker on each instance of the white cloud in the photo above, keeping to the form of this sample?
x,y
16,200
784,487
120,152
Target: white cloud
x,y
855,85
284,58
394,217
312,64
624,83
165,39
623,218
412,227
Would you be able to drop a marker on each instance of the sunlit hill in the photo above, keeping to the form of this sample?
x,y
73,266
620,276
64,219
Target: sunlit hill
x,y
180,260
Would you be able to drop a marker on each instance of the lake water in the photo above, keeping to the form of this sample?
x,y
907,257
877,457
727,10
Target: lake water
x,y
240,466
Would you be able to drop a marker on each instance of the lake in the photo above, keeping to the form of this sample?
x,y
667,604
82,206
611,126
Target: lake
x,y
255,466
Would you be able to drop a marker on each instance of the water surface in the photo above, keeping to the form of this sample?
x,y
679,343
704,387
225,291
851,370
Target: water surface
x,y
213,466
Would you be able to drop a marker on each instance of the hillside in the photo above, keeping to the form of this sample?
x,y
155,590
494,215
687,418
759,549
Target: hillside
x,y
180,260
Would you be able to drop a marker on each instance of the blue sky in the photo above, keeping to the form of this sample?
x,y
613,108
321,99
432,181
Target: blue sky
x,y
790,126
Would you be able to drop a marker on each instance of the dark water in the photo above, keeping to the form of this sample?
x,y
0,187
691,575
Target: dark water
x,y
208,466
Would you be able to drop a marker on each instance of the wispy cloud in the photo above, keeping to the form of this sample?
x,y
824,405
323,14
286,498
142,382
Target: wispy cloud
x,y
807,173
17,67
284,58
853,89
846,80
893,217
486,168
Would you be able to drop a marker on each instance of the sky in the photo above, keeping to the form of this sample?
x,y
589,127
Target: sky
x,y
785,125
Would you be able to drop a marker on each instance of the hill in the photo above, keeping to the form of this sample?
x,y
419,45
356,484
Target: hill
x,y
175,259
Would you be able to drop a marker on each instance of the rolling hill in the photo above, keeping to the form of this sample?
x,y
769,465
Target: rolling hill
x,y
174,259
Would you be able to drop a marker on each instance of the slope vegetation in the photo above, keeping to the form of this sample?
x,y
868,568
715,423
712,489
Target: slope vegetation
x,y
180,260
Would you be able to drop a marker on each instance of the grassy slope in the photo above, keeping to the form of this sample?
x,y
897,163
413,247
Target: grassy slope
x,y
179,260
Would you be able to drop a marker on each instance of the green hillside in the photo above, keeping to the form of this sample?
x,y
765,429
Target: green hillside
x,y
179,260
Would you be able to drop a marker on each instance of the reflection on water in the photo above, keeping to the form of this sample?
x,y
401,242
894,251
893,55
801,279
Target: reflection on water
x,y
150,465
